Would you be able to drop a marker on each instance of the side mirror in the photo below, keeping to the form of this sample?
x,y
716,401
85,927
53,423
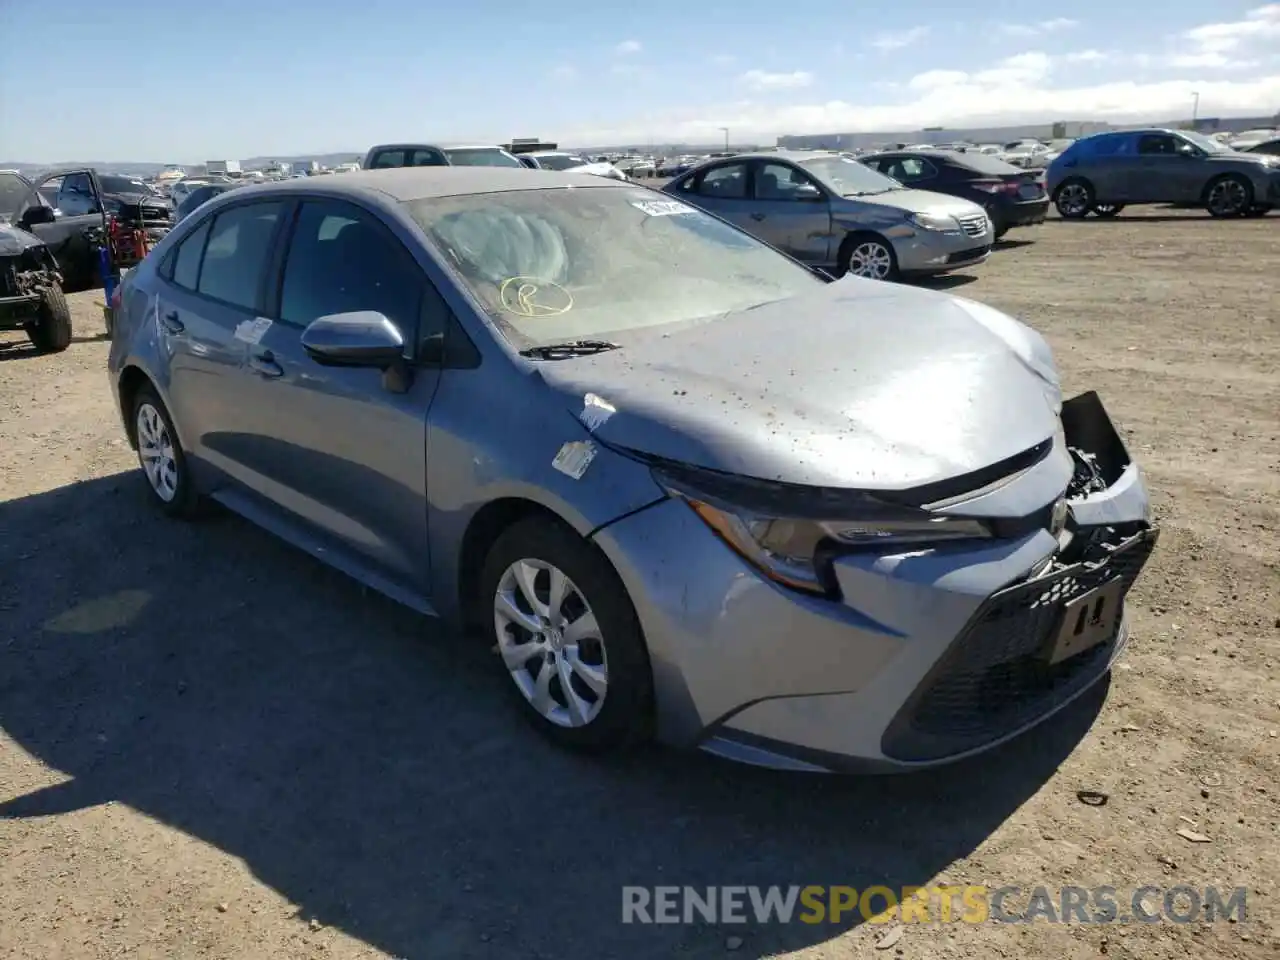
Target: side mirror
x,y
37,214
364,338
1187,150
807,191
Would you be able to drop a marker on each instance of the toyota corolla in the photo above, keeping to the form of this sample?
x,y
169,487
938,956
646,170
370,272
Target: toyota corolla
x,y
680,484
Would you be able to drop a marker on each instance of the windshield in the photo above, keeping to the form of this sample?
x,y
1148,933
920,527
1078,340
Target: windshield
x,y
14,194
481,157
556,265
849,178
1206,144
560,161
113,184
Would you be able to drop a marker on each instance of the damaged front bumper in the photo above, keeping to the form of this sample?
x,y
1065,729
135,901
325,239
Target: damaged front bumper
x,y
924,656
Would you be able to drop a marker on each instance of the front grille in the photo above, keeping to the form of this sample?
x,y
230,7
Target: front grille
x,y
973,253
974,226
995,679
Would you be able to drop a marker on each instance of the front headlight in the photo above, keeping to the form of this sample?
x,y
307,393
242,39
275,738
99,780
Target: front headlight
x,y
789,550
936,223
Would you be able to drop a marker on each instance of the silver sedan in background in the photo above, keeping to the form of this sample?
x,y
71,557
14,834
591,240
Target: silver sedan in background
x,y
679,484
833,212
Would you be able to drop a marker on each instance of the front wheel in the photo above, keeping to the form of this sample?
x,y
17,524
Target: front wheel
x,y
568,637
50,332
868,256
1074,200
1229,196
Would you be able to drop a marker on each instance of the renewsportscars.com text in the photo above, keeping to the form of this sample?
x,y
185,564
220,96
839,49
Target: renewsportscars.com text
x,y
937,904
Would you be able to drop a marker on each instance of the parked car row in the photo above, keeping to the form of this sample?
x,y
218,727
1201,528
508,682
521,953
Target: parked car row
x,y
682,487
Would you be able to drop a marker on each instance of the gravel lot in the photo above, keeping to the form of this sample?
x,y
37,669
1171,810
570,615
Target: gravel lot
x,y
210,746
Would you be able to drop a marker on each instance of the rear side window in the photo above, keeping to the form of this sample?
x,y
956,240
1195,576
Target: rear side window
x,y
1108,146
408,157
186,262
236,254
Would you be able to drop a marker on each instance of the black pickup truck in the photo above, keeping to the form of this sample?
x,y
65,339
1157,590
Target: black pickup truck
x,y
72,240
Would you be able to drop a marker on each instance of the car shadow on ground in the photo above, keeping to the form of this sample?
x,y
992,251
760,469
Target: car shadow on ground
x,y
945,281
1012,244
369,767
23,350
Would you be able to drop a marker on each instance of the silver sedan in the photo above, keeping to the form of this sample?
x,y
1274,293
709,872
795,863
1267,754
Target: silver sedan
x,y
834,213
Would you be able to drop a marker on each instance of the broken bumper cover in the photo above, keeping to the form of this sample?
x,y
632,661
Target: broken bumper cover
x,y
928,656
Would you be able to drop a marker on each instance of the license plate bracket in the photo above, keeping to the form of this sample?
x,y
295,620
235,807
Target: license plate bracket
x,y
1088,620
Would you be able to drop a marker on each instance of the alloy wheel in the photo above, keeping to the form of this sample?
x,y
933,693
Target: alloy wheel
x,y
1073,200
550,642
1227,197
871,260
156,453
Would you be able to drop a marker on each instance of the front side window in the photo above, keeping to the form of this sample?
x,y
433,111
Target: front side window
x,y
342,261
236,254
1157,144
780,181
553,265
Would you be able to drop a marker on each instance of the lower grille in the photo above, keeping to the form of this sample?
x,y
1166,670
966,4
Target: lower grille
x,y
974,226
973,253
995,679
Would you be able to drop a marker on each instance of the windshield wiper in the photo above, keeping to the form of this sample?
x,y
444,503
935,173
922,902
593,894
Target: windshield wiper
x,y
570,348
869,193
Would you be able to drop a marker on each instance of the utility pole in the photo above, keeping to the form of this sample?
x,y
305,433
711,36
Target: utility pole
x,y
725,130
1195,107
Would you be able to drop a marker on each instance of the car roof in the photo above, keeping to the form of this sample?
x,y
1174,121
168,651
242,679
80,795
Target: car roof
x,y
419,144
420,183
933,152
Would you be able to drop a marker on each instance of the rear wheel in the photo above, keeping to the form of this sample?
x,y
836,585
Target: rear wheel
x,y
160,454
1107,209
51,330
868,255
1229,196
568,637
1074,199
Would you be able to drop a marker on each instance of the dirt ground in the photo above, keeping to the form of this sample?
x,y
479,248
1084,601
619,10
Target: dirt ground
x,y
212,747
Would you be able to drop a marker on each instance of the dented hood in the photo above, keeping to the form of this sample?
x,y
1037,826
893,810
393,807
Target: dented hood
x,y
862,384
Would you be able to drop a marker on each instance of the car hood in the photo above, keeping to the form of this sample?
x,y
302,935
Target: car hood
x,y
861,384
1237,156
14,240
920,201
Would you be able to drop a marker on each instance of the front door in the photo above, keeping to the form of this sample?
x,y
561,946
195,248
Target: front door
x,y
791,212
1159,174
344,449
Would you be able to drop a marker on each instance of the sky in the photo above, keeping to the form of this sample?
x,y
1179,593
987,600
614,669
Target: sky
x,y
235,81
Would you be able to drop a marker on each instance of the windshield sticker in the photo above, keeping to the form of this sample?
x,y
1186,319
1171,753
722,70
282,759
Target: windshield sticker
x,y
662,208
574,458
252,331
596,412
531,297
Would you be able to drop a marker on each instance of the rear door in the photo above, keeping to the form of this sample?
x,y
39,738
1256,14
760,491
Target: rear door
x,y
344,449
1161,174
211,283
725,190
791,211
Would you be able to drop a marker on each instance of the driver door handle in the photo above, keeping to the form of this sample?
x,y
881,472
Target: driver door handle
x,y
172,322
264,364
757,216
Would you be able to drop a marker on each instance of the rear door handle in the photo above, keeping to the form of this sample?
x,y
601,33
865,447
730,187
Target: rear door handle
x,y
172,322
264,364
757,216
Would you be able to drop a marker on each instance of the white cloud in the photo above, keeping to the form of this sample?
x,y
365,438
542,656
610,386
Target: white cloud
x,y
760,80
1056,25
897,39
627,47
1231,44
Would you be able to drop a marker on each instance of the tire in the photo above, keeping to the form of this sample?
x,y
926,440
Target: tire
x,y
1228,196
1259,210
1107,210
179,497
1074,199
867,255
51,330
608,673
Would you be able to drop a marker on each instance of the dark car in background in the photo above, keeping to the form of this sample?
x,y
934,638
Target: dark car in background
x,y
1012,196
1103,173
388,156
200,195
1269,147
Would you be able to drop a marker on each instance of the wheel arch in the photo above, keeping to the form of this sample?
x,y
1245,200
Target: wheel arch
x,y
1225,175
852,236
132,380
